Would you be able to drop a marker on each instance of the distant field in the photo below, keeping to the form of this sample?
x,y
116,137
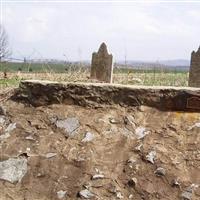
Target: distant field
x,y
78,73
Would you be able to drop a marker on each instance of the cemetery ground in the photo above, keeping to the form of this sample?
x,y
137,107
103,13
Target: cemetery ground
x,y
120,76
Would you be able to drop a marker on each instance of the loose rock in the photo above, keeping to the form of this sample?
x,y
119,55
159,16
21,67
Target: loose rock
x,y
151,157
119,195
186,195
160,171
61,194
88,137
114,121
10,128
141,132
97,176
69,125
13,169
132,182
196,125
86,194
50,155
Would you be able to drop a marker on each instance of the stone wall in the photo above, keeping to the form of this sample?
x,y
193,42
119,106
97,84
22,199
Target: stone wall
x,y
194,77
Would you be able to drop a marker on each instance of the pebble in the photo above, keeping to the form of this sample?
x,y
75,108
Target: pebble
x,y
141,132
186,195
86,194
68,124
119,195
61,194
114,121
130,196
9,128
98,176
160,171
175,183
197,125
88,137
132,182
151,157
50,155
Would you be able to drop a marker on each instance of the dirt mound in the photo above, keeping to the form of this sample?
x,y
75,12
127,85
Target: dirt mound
x,y
61,151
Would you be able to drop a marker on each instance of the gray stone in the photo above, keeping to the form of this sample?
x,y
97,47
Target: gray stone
x,y
114,121
86,194
61,194
7,131
98,176
88,137
186,195
119,195
194,75
13,169
132,182
151,157
160,171
10,127
141,132
69,125
50,155
102,66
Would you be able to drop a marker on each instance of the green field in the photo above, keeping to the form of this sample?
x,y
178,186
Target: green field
x,y
76,72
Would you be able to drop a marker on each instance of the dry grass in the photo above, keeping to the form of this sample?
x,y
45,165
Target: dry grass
x,y
136,78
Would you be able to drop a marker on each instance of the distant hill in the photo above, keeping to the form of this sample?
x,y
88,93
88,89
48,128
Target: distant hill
x,y
178,64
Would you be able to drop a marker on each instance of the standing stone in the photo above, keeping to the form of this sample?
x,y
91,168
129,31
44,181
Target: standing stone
x,y
102,67
194,76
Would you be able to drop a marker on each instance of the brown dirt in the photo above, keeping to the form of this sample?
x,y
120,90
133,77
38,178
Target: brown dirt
x,y
177,151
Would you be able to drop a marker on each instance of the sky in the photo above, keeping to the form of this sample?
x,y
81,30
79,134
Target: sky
x,y
148,31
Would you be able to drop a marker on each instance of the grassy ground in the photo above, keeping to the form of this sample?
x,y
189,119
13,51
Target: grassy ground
x,y
133,78
77,72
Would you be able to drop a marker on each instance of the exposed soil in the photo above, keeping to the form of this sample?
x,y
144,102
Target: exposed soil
x,y
112,164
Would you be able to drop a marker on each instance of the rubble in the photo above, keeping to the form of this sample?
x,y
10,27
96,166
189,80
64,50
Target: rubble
x,y
160,171
141,132
61,194
13,169
69,125
98,176
86,194
88,137
151,157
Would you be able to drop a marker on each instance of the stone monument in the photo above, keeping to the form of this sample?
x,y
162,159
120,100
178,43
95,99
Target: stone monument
x,y
194,76
102,66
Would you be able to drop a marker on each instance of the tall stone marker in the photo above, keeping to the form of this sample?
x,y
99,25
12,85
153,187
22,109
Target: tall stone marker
x,y
102,65
194,76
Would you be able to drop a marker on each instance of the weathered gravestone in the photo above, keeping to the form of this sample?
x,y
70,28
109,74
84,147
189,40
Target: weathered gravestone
x,y
194,77
102,66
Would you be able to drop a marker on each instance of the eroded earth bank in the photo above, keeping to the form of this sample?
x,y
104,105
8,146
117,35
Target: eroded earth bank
x,y
66,151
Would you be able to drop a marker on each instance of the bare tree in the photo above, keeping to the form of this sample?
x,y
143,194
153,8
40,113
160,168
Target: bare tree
x,y
4,45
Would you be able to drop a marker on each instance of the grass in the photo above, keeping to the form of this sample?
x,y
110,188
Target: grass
x,y
72,73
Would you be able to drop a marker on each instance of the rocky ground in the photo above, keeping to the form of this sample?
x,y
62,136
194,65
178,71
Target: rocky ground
x,y
71,152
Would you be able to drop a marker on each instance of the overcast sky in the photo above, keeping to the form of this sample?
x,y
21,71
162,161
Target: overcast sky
x,y
141,31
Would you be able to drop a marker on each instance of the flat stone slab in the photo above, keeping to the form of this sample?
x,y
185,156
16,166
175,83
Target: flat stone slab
x,y
40,93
